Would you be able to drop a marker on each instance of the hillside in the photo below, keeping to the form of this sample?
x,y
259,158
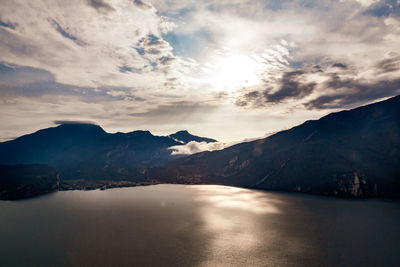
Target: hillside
x,y
350,153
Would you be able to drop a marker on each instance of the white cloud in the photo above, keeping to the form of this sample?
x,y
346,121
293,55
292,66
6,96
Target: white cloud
x,y
194,147
82,46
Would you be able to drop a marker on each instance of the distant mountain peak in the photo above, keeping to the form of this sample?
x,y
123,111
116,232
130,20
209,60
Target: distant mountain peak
x,y
185,137
182,132
141,133
80,128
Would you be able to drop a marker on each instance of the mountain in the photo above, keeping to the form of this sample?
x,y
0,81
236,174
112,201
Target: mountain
x,y
22,181
354,153
86,151
185,137
47,145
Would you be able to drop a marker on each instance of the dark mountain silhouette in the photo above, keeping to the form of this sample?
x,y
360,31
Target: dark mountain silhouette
x,y
349,153
22,181
185,137
86,151
46,146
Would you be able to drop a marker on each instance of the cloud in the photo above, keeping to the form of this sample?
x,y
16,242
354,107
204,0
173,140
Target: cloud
x,y
204,65
81,47
176,112
328,86
74,122
101,5
141,4
389,64
31,82
8,25
384,8
351,92
64,33
290,86
339,65
194,147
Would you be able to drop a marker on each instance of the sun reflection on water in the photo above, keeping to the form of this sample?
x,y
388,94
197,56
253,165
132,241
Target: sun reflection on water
x,y
230,218
239,198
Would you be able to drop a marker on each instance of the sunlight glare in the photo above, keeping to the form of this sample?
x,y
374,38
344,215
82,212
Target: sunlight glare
x,y
234,71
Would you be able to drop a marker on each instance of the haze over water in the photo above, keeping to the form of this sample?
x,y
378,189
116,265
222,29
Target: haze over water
x,y
201,225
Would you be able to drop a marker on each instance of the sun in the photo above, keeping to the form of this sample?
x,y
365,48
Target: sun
x,y
231,72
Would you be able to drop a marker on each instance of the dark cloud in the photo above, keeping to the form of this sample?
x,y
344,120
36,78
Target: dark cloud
x,y
151,45
253,94
140,51
151,40
316,68
15,43
166,60
74,122
275,4
389,65
153,51
153,64
175,112
158,52
339,90
17,75
8,25
349,92
32,82
339,65
27,81
141,4
384,8
125,69
290,86
354,92
100,5
254,98
65,33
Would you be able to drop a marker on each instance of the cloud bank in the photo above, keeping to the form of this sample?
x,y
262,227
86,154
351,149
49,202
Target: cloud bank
x,y
194,147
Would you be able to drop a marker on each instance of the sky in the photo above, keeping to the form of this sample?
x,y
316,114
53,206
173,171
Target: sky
x,y
226,69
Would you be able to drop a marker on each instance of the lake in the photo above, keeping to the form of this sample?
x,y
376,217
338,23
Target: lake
x,y
197,225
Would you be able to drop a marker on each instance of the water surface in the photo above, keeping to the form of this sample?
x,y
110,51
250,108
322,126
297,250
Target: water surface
x,y
200,225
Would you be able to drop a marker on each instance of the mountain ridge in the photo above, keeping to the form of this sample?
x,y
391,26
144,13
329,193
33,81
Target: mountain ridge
x,y
185,137
340,154
86,151
351,153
